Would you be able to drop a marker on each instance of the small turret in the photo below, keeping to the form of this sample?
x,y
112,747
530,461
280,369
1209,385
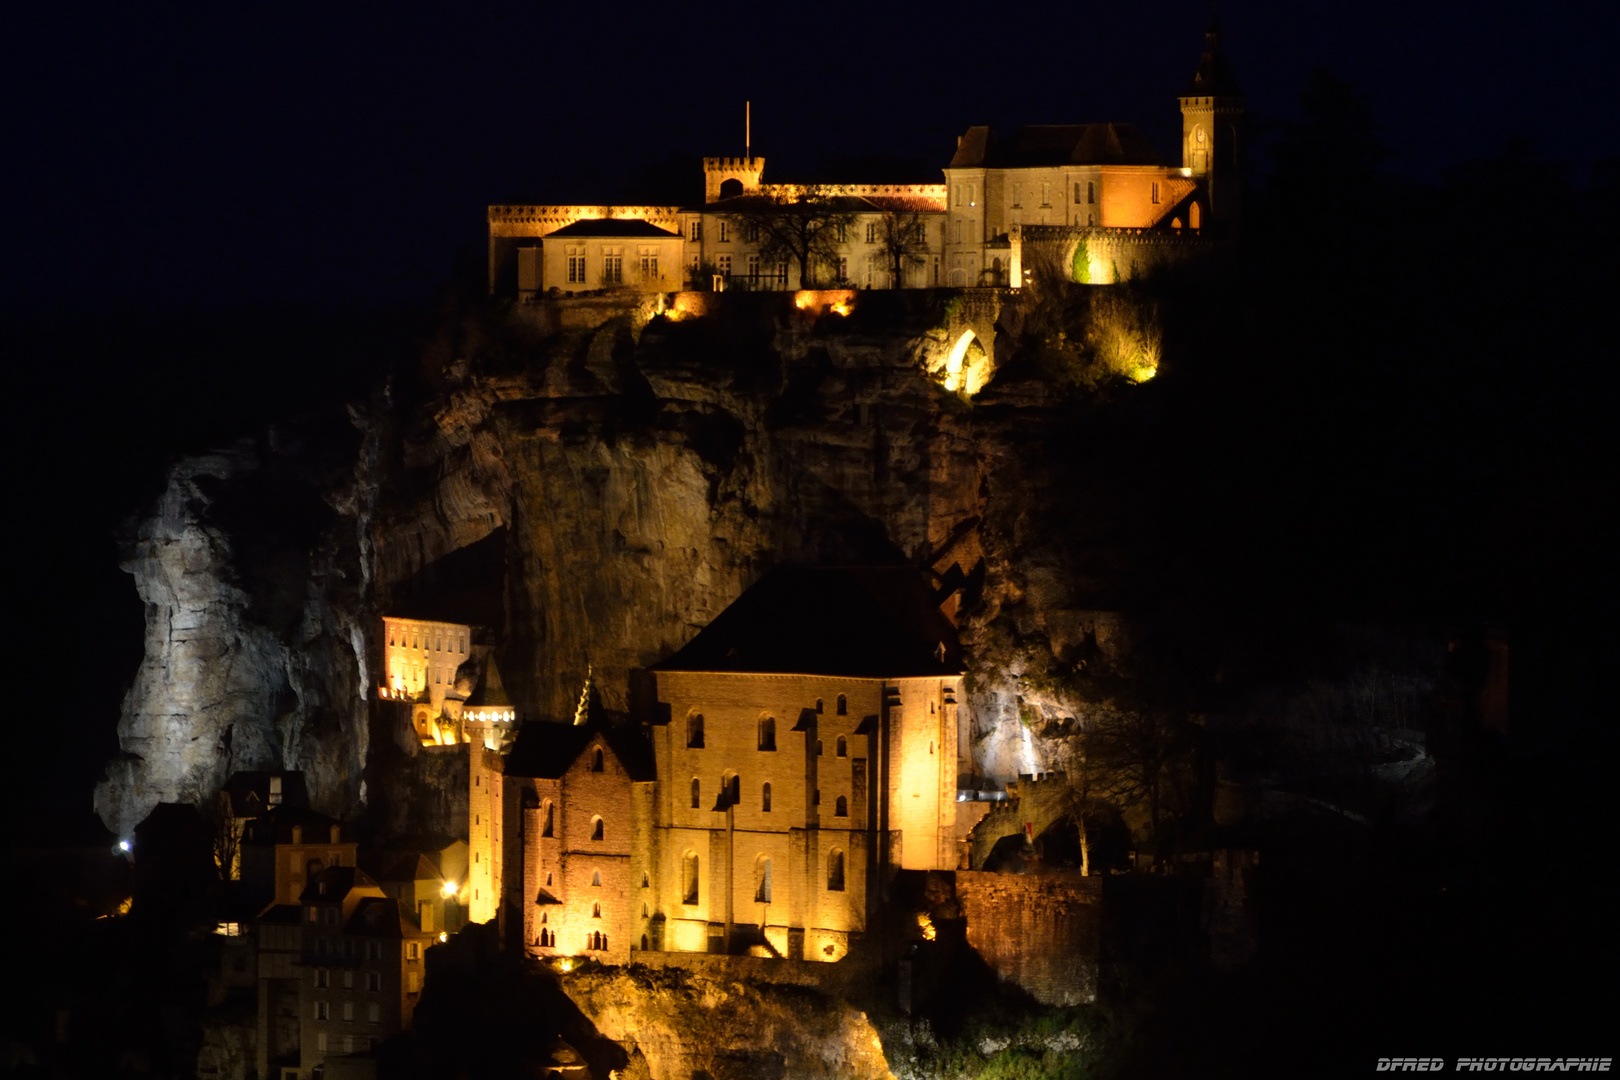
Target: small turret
x,y
724,178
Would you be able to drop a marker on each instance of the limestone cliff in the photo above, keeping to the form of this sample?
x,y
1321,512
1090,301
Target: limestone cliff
x,y
592,497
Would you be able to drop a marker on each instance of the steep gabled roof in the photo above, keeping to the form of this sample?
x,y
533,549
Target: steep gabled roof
x,y
546,750
862,622
627,228
1213,78
1037,145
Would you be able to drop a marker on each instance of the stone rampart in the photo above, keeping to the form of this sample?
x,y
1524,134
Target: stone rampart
x,y
1037,931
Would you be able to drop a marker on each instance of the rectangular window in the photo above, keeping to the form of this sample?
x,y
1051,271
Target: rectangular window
x,y
348,1010
753,267
374,1013
373,981
1155,192
751,231
612,269
1091,192
348,980
871,232
413,951
413,983
725,231
723,262
1017,194
314,915
1046,194
320,1041
843,268
649,266
373,950
842,232
694,231
323,978
323,1010
781,275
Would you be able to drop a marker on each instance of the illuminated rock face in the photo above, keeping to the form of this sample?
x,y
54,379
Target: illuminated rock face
x,y
642,481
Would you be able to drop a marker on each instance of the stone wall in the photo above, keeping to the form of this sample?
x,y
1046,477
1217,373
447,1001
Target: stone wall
x,y
1038,931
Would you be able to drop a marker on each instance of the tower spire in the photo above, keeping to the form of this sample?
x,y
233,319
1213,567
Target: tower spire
x,y
748,129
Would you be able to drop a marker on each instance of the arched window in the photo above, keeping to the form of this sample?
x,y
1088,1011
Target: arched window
x,y
843,705
842,748
644,881
1195,216
835,871
818,706
731,788
548,884
596,911
689,878
841,807
643,942
730,188
694,730
644,909
596,878
547,819
697,794
596,828
765,798
762,880
767,733
596,760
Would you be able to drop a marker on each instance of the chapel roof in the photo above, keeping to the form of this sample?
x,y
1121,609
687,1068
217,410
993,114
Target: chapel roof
x,y
546,750
856,621
616,227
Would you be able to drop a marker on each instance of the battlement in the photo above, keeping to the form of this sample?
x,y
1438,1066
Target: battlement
x,y
539,220
734,164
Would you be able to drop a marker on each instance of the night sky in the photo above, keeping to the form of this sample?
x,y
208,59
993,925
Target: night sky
x,y
212,208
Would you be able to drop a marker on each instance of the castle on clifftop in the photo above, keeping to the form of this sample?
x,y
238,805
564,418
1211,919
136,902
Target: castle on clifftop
x,y
1093,201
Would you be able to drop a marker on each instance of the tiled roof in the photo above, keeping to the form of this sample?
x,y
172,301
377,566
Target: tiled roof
x,y
862,622
1055,144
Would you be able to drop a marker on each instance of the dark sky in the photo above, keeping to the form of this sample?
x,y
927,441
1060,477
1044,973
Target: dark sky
x,y
165,155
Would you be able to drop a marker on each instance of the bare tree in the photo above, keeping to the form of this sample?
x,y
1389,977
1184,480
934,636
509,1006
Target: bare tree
x,y
1136,757
902,239
806,227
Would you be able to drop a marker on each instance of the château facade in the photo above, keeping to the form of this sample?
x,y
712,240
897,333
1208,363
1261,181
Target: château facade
x,y
1093,201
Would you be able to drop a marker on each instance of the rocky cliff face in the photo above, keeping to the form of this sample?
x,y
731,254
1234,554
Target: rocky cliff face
x,y
636,481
